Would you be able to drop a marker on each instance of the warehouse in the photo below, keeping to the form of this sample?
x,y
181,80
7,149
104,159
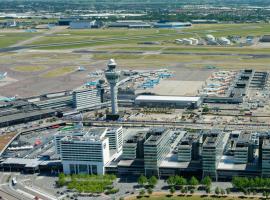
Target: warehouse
x,y
265,38
172,24
84,24
168,101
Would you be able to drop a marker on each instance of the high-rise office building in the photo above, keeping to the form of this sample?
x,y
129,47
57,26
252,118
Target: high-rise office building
x,y
115,135
77,131
86,98
85,154
188,147
266,158
156,147
242,148
212,151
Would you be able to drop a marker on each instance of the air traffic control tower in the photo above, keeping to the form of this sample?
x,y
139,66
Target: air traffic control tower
x,y
112,77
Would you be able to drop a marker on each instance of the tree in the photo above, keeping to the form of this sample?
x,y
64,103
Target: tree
x,y
152,181
142,180
172,190
207,181
222,191
171,180
193,181
217,191
183,190
142,192
207,189
180,181
150,190
205,109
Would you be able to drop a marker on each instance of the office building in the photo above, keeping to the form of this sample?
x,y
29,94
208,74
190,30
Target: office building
x,y
156,147
134,147
242,148
86,99
266,158
86,154
115,135
189,147
212,151
63,133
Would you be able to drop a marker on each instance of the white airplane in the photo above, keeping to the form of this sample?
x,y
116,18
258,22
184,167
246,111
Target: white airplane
x,y
80,69
3,75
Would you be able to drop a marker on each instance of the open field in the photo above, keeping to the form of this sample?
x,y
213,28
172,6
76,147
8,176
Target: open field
x,y
158,196
4,139
11,38
101,37
29,68
58,72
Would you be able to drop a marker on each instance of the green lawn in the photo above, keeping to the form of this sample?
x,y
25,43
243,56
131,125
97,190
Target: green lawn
x,y
58,72
29,68
8,39
88,183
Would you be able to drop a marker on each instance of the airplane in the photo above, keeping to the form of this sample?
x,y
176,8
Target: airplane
x,y
80,69
8,99
3,75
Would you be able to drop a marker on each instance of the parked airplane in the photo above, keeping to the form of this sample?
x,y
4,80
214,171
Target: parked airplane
x,y
3,75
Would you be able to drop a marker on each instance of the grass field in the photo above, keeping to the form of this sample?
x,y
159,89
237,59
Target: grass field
x,y
194,61
29,68
8,39
150,35
194,197
58,72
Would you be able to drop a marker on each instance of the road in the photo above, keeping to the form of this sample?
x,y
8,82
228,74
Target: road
x,y
6,192
192,125
21,191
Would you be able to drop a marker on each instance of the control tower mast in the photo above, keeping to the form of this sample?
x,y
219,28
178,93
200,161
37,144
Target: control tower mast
x,y
112,77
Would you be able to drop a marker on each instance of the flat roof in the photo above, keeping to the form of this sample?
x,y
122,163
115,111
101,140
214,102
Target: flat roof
x,y
23,115
166,98
32,163
93,135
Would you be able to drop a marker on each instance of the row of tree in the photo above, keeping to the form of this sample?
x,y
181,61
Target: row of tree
x,y
242,183
193,181
151,182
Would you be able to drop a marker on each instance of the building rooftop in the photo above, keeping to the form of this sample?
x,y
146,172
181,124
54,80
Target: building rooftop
x,y
23,115
266,143
93,135
243,140
156,135
166,98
